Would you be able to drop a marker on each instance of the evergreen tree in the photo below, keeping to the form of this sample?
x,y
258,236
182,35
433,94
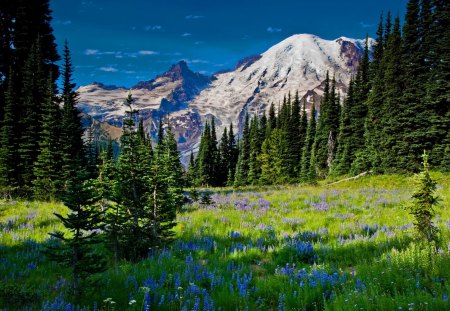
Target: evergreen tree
x,y
305,175
325,141
437,100
303,132
105,186
191,174
343,159
32,100
234,153
413,119
294,139
8,144
274,166
390,123
242,167
225,158
132,190
254,170
47,184
205,158
214,155
272,121
77,250
166,193
72,146
424,203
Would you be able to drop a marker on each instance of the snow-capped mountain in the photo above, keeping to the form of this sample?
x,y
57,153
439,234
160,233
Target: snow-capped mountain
x,y
298,63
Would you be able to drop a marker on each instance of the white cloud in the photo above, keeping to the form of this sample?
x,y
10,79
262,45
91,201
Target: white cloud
x,y
186,34
91,52
194,16
273,29
145,52
108,69
152,27
364,25
197,61
64,23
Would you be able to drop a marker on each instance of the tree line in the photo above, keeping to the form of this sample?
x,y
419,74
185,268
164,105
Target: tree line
x,y
397,105
128,202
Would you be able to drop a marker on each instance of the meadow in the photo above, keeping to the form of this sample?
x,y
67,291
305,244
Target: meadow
x,y
348,246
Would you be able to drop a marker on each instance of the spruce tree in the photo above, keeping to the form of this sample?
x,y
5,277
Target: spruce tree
x,y
294,138
274,164
77,250
191,174
424,202
437,101
166,193
325,141
32,100
390,124
303,132
205,158
272,120
305,175
133,189
242,167
225,158
8,143
72,146
343,160
234,153
47,168
255,149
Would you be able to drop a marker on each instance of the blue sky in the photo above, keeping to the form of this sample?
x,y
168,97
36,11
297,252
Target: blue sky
x,y
123,42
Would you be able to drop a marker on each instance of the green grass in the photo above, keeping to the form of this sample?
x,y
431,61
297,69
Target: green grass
x,y
346,246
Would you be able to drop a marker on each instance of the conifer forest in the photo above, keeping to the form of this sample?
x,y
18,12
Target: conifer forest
x,y
332,202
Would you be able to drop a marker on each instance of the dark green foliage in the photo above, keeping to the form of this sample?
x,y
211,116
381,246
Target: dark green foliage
x,y
255,149
303,134
390,126
424,202
146,191
343,160
47,168
8,144
165,195
325,141
17,296
234,153
208,158
77,249
274,165
294,139
205,198
191,174
307,170
272,121
132,190
72,146
243,163
32,99
437,97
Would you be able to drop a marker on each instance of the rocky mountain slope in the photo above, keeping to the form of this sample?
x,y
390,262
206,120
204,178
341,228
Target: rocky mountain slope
x,y
298,63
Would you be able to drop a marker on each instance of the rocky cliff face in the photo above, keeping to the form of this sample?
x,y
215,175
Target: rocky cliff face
x,y
298,63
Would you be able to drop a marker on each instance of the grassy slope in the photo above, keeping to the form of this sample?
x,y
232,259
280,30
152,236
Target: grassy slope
x,y
349,245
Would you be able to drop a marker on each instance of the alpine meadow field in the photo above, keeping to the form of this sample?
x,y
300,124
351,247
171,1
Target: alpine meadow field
x,y
348,246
